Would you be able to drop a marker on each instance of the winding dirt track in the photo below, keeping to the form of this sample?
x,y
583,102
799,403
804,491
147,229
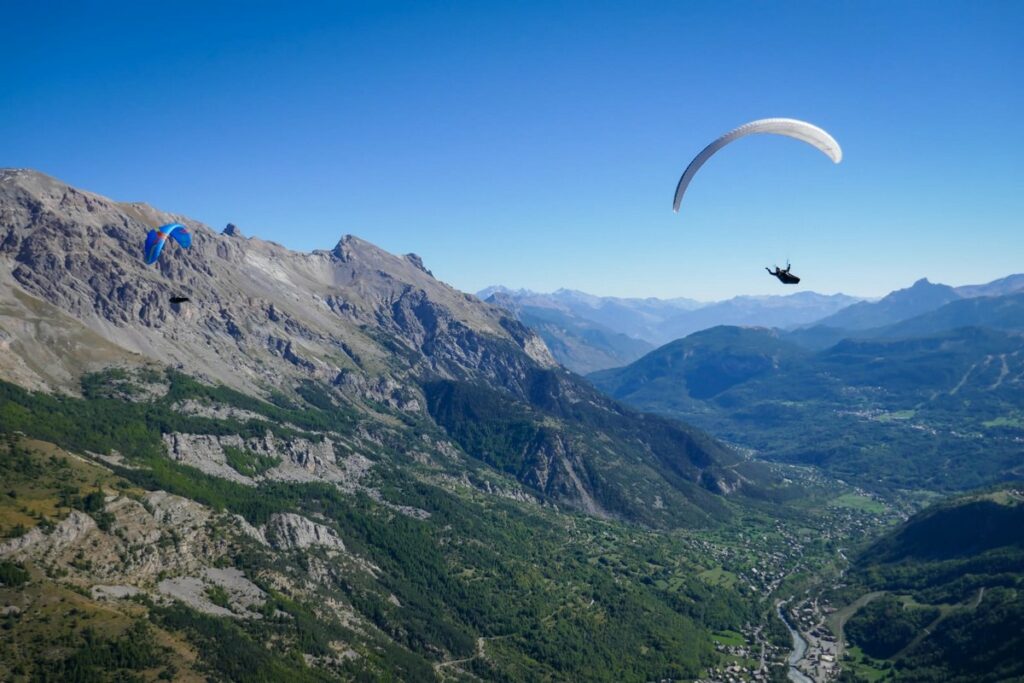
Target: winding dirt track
x,y
927,630
840,617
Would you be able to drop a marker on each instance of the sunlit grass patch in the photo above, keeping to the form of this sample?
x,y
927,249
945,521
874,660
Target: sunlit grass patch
x,y
1011,421
729,638
856,501
718,577
41,484
864,667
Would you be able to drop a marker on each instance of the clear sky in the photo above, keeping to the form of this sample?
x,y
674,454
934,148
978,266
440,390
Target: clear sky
x,y
538,144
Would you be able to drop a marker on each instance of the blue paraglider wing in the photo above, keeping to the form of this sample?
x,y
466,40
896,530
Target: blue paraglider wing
x,y
156,239
180,234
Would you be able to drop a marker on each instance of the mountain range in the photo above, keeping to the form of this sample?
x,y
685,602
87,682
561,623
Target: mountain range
x,y
587,333
921,297
248,463
929,402
324,466
918,309
378,331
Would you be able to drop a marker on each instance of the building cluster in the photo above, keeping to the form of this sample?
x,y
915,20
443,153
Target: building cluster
x,y
761,560
821,661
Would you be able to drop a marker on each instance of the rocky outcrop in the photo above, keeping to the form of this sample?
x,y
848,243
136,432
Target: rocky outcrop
x,y
206,454
159,534
288,531
382,389
215,411
243,596
68,532
418,262
298,459
168,509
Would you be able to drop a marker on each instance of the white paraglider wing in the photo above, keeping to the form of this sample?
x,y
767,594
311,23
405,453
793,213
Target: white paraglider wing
x,y
799,130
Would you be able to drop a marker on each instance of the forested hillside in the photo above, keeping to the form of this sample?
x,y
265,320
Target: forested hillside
x,y
948,589
941,411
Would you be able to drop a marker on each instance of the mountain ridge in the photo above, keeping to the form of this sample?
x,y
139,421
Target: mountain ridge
x,y
898,305
80,252
946,587
371,328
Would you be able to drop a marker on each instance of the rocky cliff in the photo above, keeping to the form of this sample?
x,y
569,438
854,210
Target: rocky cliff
x,y
368,329
259,315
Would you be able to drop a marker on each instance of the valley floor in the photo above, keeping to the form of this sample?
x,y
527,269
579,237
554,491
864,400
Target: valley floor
x,y
787,569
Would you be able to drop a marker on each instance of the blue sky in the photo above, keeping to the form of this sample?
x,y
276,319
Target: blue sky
x,y
537,144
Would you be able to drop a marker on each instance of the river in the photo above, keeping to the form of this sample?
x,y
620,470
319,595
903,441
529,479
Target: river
x,y
799,650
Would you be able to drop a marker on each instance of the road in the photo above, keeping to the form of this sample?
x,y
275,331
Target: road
x,y
927,630
838,620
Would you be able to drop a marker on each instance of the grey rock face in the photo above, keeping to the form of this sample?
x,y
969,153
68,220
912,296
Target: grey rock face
x,y
243,595
299,459
259,313
288,531
65,534
162,533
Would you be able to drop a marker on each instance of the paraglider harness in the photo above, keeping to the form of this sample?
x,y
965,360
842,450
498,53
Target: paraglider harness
x,y
785,277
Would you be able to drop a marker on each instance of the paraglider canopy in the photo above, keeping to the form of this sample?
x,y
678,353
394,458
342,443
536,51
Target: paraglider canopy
x,y
156,239
792,128
180,299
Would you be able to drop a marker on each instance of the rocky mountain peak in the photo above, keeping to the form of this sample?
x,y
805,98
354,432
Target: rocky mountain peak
x,y
342,251
418,262
259,313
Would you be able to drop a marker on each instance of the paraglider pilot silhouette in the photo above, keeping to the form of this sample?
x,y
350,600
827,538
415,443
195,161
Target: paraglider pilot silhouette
x,y
785,277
